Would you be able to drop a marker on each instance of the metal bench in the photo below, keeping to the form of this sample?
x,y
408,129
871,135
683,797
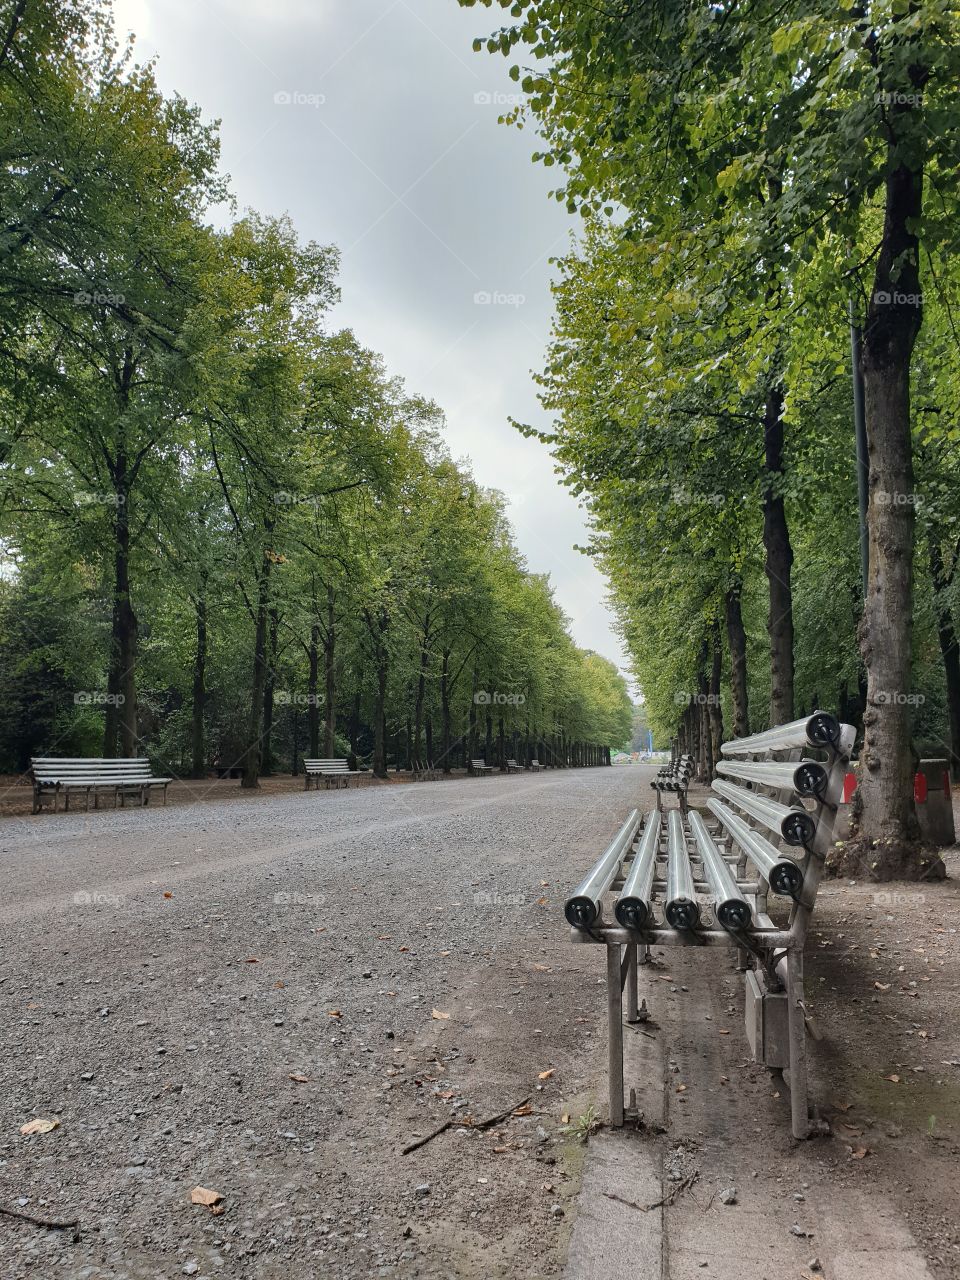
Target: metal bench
x,y
481,768
332,773
54,776
514,767
534,766
674,777
681,884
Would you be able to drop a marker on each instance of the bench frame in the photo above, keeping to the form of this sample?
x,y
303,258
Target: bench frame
x,y
332,772
776,953
61,775
480,769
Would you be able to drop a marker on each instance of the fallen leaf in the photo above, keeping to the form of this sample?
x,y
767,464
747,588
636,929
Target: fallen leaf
x,y
501,1150
168,895
543,968
681,1088
923,1034
882,986
541,902
33,1005
859,1153
298,1078
776,1095
334,1013
40,1126
892,1079
391,993
439,1016
446,1093
843,1106
723,1032
252,960
384,937
204,1196
403,948
565,1118
545,1075
525,1110
278,986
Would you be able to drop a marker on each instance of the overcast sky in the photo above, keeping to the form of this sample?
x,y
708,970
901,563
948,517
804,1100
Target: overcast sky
x,y
374,125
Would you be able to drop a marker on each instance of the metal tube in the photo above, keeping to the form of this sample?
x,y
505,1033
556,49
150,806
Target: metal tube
x,y
782,874
615,1034
634,908
796,826
730,906
806,777
819,730
682,909
583,906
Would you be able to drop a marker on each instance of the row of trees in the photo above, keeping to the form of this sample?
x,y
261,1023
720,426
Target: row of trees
x,y
754,181
228,534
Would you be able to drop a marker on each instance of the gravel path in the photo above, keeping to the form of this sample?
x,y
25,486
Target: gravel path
x,y
245,995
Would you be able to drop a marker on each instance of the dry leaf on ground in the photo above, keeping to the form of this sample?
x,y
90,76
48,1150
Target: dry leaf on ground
x,y
205,1196
545,1075
39,1126
439,1015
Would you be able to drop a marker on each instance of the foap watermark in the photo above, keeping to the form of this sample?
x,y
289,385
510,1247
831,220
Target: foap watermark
x,y
682,698
96,698
297,98
486,698
888,498
493,898
897,98
897,698
686,498
497,298
84,898
284,498
895,298
287,698
497,98
898,899
86,298
87,498
299,899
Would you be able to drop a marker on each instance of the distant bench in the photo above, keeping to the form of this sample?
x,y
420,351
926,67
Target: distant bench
x,y
534,766
480,768
53,775
513,767
332,773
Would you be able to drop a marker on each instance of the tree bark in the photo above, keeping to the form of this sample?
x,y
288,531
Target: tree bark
x,y
737,645
949,648
380,721
330,676
251,757
313,698
198,766
715,709
889,829
269,690
778,562
445,727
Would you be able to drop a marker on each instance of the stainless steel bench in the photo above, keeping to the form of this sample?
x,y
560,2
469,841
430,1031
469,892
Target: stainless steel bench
x,y
680,883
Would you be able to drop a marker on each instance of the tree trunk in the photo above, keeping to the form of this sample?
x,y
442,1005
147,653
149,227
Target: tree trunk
x,y
329,677
715,709
380,722
418,707
778,562
251,757
313,696
947,635
737,644
269,690
198,766
889,829
445,709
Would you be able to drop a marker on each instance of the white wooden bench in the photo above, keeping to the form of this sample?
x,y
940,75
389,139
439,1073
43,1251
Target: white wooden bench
x,y
773,816
332,773
534,766
513,767
480,768
54,776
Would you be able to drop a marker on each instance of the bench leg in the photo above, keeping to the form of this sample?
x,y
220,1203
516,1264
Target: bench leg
x,y
165,785
798,1050
633,1003
615,1029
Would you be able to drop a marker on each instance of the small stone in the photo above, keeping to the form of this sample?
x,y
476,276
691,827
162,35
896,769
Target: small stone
x,y
367,973
86,1075
556,1210
191,1268
800,1232
815,1264
278,1022
799,1197
728,1195
423,1189
407,1231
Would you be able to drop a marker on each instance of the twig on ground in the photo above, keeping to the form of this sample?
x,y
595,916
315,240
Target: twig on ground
x,y
668,1199
47,1223
450,1124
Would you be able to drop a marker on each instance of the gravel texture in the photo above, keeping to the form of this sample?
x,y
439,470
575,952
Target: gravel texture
x,y
269,997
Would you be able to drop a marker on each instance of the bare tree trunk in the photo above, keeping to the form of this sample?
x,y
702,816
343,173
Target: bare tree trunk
x,y
889,829
269,690
251,757
445,710
949,648
380,721
330,676
198,766
737,644
778,563
715,709
313,696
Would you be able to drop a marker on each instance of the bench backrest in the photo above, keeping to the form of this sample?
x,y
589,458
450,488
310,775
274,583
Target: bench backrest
x,y
326,766
83,768
479,764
